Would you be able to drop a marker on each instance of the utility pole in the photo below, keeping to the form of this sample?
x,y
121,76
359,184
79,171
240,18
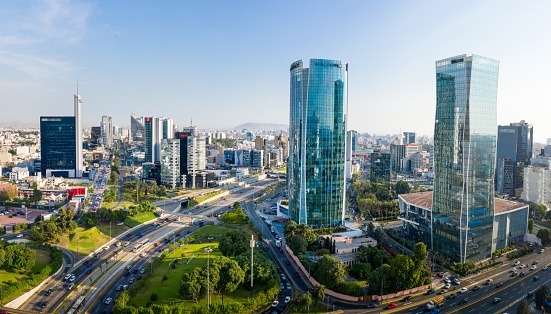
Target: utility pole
x,y
252,243
208,250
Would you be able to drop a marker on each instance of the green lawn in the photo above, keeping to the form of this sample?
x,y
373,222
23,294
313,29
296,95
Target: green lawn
x,y
88,240
133,221
198,200
42,259
115,229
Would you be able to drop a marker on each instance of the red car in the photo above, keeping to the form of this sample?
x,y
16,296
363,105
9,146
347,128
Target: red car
x,y
280,250
499,285
391,306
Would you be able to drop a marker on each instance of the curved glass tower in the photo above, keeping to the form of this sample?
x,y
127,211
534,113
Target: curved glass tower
x,y
465,133
317,140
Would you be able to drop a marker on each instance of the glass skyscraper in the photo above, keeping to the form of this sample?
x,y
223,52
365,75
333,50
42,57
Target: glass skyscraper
x,y
317,142
465,133
58,146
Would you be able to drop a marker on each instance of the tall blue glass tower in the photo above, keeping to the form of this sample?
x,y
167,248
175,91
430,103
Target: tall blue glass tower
x,y
317,142
465,133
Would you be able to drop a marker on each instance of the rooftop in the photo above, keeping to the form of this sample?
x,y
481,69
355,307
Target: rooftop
x,y
424,200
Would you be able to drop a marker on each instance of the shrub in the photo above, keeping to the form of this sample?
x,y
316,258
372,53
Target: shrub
x,y
154,297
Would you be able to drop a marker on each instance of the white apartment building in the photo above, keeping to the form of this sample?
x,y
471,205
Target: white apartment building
x,y
537,182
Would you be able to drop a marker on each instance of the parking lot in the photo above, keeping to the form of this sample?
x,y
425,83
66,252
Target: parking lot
x,y
16,218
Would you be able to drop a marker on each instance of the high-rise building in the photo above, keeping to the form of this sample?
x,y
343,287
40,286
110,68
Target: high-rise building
x,y
317,142
107,131
167,126
380,170
464,154
409,137
196,159
351,139
58,146
78,135
150,125
258,142
95,135
137,128
537,181
170,162
514,150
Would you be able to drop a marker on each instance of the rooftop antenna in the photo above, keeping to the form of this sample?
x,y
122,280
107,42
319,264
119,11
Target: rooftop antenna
x,y
191,122
77,85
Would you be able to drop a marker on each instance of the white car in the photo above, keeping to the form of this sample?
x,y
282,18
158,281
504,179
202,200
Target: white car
x,y
533,267
463,290
68,276
287,299
20,235
447,280
108,300
106,247
516,263
73,277
447,286
275,303
522,266
143,254
456,281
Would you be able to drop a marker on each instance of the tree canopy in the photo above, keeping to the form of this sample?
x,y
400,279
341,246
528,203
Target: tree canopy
x,y
234,243
329,271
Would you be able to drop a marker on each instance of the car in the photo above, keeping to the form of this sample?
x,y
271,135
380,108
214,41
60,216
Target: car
x,y
280,250
119,288
106,247
371,305
108,300
283,277
463,290
463,301
287,262
73,277
536,278
496,300
128,267
499,285
132,280
533,267
135,271
522,266
535,263
143,254
275,303
287,299
513,274
530,294
126,273
447,286
451,296
407,299
456,281
142,270
139,277
125,287
70,286
513,270
297,274
540,251
447,280
545,267
442,291
391,306
20,235
521,274
431,291
118,244
43,304
48,292
475,288
517,263
67,276
89,270
288,286
281,285
126,243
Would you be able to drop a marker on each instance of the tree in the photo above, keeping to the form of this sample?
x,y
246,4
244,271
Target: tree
x,y
37,195
20,257
318,295
537,209
8,194
123,299
530,225
2,257
231,276
298,244
165,278
301,303
544,235
404,272
402,187
420,253
263,270
190,286
329,271
360,270
523,307
541,295
373,256
154,297
234,243
380,281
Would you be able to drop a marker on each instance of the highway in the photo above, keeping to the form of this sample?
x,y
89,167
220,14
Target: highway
x,y
107,286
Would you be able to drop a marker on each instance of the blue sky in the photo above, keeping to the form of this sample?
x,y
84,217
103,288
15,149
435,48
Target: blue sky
x,y
224,63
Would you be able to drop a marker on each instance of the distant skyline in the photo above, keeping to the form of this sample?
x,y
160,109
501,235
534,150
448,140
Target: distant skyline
x,y
224,63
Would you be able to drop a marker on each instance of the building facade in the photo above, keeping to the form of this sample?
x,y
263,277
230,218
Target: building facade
x,y
380,170
107,131
464,157
317,142
537,181
170,162
58,146
137,128
79,163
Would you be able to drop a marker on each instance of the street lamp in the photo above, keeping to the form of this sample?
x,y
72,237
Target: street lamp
x,y
252,244
208,250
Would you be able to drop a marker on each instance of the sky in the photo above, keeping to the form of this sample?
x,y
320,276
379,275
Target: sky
x,y
224,63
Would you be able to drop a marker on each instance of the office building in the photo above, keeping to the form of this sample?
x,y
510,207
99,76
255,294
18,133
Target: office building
x,y
409,138
257,158
351,142
397,156
317,142
79,162
170,163
259,142
514,150
95,135
58,146
196,160
137,129
380,170
465,137
150,138
537,181
167,126
106,131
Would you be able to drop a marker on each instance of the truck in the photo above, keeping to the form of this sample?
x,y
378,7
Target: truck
x,y
435,303
278,243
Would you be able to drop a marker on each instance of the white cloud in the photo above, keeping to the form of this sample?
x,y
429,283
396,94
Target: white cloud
x,y
33,65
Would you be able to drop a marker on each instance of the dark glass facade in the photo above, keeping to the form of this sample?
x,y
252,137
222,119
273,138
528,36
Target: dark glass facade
x,y
317,140
150,134
380,170
514,150
58,146
465,135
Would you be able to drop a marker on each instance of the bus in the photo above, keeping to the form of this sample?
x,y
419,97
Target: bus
x,y
144,241
79,303
140,244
